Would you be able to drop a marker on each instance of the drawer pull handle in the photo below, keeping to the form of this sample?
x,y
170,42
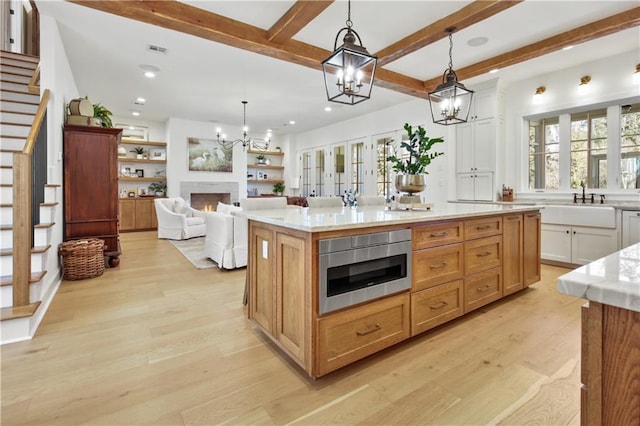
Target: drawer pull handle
x,y
484,227
483,289
439,234
442,265
371,330
484,254
439,305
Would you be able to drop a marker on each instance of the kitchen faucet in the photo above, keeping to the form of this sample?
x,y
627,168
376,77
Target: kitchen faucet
x,y
583,189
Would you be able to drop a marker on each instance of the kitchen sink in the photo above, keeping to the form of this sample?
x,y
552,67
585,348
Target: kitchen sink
x,y
580,215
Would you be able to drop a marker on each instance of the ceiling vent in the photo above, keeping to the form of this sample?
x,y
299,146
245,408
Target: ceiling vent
x,y
157,49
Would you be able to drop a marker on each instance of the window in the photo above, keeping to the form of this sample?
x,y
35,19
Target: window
x,y
306,173
338,161
630,147
383,171
544,161
357,167
589,149
320,172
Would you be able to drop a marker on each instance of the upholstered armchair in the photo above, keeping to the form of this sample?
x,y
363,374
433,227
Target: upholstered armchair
x,y
325,202
370,200
177,221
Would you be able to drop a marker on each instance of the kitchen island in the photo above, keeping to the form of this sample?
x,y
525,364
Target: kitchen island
x,y
610,337
460,257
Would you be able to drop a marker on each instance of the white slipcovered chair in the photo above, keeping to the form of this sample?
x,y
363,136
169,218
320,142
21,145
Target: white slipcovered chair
x,y
325,202
370,200
227,238
177,221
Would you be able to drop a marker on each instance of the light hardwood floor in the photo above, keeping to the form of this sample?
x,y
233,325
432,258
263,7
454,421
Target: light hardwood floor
x,y
156,341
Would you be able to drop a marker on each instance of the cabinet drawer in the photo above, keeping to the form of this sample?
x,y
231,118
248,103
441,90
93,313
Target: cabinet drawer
x,y
437,234
485,227
352,334
482,254
482,288
435,306
437,265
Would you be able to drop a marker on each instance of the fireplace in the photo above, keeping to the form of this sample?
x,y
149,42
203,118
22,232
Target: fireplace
x,y
209,201
200,194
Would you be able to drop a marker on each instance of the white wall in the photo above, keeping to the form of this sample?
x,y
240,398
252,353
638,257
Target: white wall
x,y
177,132
611,79
157,129
415,112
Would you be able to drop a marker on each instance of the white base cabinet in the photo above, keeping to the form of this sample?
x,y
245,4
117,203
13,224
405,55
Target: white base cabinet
x,y
577,244
630,227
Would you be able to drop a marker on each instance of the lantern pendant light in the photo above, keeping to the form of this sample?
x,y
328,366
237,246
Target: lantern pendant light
x,y
451,101
350,69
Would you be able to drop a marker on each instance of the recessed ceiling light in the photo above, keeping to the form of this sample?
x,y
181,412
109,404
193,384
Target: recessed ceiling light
x,y
292,122
493,71
327,108
149,74
135,113
141,100
567,48
477,41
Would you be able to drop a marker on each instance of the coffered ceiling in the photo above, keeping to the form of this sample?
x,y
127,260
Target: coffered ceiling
x,y
269,52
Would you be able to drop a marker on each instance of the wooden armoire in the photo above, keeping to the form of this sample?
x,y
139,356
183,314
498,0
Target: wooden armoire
x,y
91,186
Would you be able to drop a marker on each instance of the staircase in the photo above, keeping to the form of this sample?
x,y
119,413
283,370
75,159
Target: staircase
x,y
18,106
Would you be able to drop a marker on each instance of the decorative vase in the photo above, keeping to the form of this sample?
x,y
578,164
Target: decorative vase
x,y
411,184
122,152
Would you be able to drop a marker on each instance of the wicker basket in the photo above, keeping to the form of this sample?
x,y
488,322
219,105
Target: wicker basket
x,y
82,258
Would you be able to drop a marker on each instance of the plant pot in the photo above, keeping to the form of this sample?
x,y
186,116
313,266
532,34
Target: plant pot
x,y
411,184
139,156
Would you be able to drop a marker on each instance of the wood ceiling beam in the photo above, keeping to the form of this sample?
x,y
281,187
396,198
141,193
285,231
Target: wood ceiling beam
x,y
187,19
603,27
296,18
469,15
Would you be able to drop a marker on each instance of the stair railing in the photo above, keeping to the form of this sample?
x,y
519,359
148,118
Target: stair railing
x,y
22,208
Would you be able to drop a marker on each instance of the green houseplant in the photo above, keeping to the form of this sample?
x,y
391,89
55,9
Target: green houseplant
x,y
278,188
261,159
158,188
139,151
412,168
103,114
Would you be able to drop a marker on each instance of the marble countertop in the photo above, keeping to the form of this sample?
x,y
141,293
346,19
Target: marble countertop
x,y
618,204
335,218
613,280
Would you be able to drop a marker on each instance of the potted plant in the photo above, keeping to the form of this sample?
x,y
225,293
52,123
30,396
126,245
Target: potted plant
x,y
103,114
139,151
278,188
278,149
158,188
412,167
261,159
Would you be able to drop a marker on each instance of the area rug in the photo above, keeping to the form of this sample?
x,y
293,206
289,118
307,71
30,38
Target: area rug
x,y
193,250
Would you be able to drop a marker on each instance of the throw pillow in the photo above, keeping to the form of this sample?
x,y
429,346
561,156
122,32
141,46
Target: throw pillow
x,y
178,206
223,208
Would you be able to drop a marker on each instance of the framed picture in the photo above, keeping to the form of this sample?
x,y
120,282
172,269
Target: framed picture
x,y
140,173
142,191
207,155
126,171
157,154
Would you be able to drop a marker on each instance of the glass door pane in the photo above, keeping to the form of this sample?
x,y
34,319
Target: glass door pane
x,y
319,172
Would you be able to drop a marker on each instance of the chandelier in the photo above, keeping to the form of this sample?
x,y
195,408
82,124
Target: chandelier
x,y
349,70
222,139
451,101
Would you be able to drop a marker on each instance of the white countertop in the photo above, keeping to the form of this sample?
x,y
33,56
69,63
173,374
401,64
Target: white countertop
x,y
613,280
328,219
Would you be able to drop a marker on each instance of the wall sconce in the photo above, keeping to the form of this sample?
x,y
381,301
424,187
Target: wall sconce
x,y
582,87
537,97
636,75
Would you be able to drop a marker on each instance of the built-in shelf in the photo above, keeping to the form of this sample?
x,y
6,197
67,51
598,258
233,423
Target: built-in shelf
x,y
140,160
265,181
276,153
141,143
264,166
142,179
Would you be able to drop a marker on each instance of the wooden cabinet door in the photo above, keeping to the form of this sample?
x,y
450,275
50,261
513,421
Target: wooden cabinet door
x,y
144,211
512,250
531,248
127,214
261,258
293,296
